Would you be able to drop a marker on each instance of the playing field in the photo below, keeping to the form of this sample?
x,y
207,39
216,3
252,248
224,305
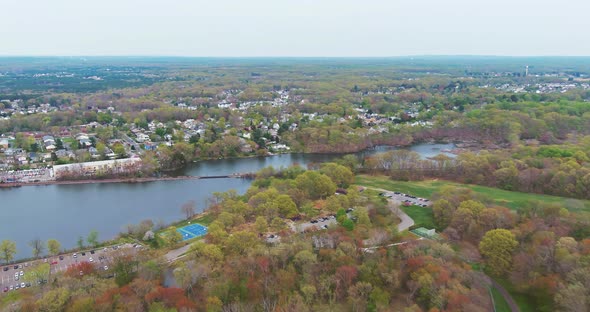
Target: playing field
x,y
191,231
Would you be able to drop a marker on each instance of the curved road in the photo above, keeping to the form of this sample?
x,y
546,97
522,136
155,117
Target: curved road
x,y
405,221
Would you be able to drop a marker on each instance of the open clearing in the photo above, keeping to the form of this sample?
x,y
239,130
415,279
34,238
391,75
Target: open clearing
x,y
512,200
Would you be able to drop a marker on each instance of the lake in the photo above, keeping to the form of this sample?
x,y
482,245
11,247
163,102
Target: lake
x,y
66,212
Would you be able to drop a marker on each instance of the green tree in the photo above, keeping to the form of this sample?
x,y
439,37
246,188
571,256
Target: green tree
x,y
38,273
497,247
7,250
339,174
53,246
173,236
54,300
92,238
315,184
125,270
348,224
443,212
261,224
80,242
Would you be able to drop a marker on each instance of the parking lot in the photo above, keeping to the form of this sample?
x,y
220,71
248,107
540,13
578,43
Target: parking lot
x,y
406,199
101,258
319,223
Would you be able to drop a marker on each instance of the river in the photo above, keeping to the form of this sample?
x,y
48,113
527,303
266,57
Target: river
x,y
66,212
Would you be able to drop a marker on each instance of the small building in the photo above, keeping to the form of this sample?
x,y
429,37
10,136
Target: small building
x,y
4,143
426,233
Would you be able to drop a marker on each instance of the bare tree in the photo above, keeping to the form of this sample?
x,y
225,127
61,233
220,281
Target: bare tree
x,y
189,208
38,247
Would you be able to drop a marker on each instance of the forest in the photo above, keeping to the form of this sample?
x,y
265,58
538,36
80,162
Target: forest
x,y
517,134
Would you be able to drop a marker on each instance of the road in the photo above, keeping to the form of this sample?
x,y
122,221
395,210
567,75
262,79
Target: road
x,y
100,258
132,142
176,254
395,200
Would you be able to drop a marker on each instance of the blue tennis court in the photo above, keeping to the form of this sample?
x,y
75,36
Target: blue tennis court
x,y
191,231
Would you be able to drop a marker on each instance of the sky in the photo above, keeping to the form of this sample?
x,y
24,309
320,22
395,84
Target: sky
x,y
299,28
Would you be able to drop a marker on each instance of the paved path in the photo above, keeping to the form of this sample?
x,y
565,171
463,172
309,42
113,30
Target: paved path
x,y
511,303
176,254
405,221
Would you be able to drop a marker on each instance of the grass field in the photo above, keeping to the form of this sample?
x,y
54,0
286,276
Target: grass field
x,y
422,216
512,200
524,302
501,304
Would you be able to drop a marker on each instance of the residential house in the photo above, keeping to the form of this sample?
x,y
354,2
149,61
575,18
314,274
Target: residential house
x,y
4,143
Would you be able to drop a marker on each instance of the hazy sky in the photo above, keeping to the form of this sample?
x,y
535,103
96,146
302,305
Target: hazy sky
x,y
294,27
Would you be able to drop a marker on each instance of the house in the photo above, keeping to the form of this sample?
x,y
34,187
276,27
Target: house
x,y
149,146
85,142
34,157
48,140
82,136
142,137
4,143
93,152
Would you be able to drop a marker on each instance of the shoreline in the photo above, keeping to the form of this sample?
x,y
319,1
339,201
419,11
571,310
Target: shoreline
x,y
10,185
98,181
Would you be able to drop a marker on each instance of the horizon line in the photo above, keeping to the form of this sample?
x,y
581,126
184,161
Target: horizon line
x,y
288,56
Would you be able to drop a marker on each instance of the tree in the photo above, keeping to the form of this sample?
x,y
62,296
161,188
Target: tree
x,y
173,236
125,270
38,273
80,242
443,212
54,300
315,184
339,174
261,224
7,250
38,247
53,246
497,247
188,209
348,224
92,238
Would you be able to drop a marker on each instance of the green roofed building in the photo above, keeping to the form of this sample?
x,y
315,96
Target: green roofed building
x,y
426,233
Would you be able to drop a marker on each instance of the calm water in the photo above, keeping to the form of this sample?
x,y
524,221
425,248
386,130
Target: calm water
x,y
65,212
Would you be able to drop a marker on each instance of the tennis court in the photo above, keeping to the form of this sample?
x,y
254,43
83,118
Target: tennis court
x,y
191,231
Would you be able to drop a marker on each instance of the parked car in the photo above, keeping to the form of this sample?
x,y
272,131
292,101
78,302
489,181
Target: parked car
x,y
21,273
5,289
61,257
5,269
22,285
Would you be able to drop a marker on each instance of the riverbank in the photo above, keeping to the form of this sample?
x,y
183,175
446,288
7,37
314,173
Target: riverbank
x,y
122,180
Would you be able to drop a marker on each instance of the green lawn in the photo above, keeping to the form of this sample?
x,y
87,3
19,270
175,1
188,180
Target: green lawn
x,y
525,302
501,304
512,200
423,217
